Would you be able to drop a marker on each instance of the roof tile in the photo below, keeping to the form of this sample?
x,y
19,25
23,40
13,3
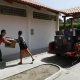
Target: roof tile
x,y
71,10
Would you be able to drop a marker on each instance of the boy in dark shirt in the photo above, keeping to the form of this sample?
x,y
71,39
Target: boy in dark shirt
x,y
23,47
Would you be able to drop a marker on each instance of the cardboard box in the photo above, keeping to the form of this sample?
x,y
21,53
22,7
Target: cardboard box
x,y
12,45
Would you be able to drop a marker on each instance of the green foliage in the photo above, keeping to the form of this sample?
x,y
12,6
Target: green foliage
x,y
76,23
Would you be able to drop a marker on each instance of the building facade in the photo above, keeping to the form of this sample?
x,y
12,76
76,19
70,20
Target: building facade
x,y
38,26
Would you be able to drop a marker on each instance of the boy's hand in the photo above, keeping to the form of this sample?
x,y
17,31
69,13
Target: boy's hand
x,y
7,41
11,40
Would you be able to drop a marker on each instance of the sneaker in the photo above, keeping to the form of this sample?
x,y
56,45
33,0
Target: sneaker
x,y
19,63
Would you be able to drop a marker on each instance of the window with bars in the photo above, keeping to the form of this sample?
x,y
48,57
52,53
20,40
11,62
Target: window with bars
x,y
43,16
12,11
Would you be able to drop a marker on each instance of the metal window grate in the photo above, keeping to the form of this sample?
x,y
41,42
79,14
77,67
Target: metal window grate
x,y
12,11
43,16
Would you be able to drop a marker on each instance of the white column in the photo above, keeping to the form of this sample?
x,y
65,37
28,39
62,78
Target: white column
x,y
58,22
29,16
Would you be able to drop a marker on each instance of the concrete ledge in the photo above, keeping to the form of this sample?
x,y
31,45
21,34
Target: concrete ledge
x,y
12,69
56,75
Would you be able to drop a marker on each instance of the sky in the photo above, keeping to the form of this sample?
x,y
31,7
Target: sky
x,y
61,4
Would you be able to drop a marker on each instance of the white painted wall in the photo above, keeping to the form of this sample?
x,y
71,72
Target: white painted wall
x,y
44,30
13,24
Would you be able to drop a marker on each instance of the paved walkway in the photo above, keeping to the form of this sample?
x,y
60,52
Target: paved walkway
x,y
72,73
12,68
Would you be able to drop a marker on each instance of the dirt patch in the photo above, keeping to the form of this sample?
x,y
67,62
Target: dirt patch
x,y
38,73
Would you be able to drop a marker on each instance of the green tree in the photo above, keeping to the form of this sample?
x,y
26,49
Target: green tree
x,y
76,23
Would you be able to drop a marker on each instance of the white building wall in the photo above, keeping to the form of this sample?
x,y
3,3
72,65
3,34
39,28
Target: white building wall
x,y
44,30
13,24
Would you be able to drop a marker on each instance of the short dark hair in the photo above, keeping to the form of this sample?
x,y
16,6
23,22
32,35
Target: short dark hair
x,y
3,30
19,32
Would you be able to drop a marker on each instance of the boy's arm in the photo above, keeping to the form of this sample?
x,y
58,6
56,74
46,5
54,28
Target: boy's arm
x,y
6,41
13,40
17,40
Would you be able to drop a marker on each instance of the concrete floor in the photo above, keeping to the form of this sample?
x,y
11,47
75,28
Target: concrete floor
x,y
70,72
10,68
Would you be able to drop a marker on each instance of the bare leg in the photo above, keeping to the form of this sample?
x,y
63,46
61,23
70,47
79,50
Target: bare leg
x,y
20,58
30,54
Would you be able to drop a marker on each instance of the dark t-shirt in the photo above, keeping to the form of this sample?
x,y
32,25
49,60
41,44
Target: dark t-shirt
x,y
22,43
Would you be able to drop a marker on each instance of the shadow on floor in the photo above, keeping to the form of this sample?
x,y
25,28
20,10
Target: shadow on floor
x,y
3,65
15,56
16,65
64,62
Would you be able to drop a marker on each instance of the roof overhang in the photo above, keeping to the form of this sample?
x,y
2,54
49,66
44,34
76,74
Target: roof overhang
x,y
72,12
34,4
